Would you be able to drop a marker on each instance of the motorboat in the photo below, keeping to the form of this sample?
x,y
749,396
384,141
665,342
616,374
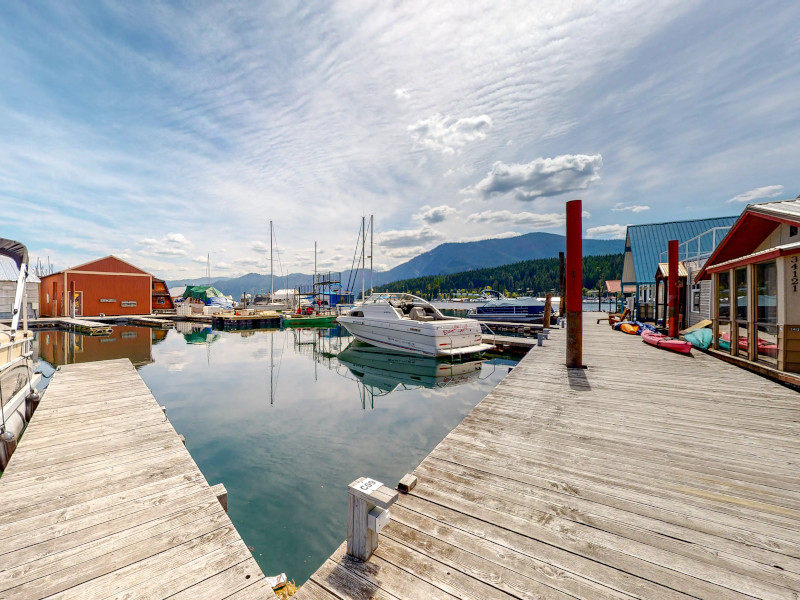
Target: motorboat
x,y
497,307
384,372
18,395
407,323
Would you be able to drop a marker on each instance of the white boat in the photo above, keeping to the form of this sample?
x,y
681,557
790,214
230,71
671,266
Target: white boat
x,y
18,396
407,323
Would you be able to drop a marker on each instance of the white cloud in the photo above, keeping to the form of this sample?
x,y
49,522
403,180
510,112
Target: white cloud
x,y
611,232
404,252
762,193
259,247
409,237
437,214
543,221
619,207
200,259
541,177
172,244
402,94
447,134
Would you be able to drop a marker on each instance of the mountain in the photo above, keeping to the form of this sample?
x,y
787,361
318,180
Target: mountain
x,y
457,257
445,259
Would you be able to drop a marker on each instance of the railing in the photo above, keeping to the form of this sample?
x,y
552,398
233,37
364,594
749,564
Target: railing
x,y
699,247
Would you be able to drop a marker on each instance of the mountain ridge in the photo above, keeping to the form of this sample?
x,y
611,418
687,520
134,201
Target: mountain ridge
x,y
444,259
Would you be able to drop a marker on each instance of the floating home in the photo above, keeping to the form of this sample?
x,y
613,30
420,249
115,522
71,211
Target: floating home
x,y
755,291
107,286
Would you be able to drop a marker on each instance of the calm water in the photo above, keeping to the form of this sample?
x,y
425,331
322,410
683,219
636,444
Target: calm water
x,y
286,419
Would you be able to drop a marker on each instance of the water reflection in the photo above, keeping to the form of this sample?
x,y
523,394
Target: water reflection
x,y
277,416
67,347
380,372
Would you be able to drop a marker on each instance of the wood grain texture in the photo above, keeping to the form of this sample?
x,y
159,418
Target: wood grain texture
x,y
646,475
102,500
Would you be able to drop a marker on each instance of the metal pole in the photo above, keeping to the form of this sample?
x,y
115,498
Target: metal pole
x,y
574,284
371,237
672,247
363,250
271,273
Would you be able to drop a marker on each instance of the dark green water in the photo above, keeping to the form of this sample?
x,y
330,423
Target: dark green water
x,y
286,425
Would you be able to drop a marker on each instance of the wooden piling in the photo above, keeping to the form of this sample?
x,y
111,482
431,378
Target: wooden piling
x,y
546,317
562,291
672,286
574,284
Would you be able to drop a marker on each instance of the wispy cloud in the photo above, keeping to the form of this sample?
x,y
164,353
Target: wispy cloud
x,y
762,193
172,244
402,94
632,208
532,220
541,177
611,232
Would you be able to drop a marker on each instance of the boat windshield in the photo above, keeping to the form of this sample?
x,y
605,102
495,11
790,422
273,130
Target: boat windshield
x,y
396,299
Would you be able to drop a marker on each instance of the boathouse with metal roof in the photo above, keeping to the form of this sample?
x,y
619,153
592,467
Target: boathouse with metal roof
x,y
645,244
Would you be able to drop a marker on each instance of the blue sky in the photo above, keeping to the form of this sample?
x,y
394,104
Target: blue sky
x,y
161,132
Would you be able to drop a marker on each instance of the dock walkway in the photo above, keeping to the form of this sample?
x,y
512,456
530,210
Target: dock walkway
x,y
647,475
101,498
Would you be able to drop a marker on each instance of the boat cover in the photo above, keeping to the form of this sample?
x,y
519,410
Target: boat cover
x,y
16,251
700,338
202,292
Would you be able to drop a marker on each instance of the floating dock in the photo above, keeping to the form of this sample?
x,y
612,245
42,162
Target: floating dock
x,y
265,320
83,326
645,475
101,498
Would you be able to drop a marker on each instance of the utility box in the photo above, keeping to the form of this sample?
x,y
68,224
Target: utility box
x,y
377,519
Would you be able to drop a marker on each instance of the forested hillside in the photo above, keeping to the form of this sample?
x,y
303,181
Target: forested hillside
x,y
527,277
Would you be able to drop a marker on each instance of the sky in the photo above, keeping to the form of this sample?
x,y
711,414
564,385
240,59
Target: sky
x,y
168,132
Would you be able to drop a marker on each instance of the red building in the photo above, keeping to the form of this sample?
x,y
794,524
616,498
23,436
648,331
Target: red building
x,y
162,300
108,286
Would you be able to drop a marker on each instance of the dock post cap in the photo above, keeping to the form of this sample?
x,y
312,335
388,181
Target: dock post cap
x,y
368,502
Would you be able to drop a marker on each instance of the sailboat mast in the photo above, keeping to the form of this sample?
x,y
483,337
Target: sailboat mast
x,y
363,249
271,275
208,268
371,225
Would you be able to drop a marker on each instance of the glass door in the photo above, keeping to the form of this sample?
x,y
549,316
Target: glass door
x,y
740,279
767,312
724,311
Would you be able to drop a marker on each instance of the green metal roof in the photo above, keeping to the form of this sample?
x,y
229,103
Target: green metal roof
x,y
647,242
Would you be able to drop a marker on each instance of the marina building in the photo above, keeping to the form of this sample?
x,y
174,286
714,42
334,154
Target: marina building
x,y
755,289
108,286
646,247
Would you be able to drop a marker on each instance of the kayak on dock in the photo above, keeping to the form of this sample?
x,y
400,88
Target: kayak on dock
x,y
659,340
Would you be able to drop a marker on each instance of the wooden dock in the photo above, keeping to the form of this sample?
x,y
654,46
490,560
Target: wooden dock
x,y
101,498
262,320
646,475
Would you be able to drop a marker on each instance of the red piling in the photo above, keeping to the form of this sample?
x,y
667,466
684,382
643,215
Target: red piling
x,y
574,284
672,289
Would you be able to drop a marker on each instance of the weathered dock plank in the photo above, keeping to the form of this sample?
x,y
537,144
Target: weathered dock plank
x,y
101,498
645,475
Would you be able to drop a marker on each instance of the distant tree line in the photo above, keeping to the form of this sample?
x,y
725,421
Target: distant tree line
x,y
535,277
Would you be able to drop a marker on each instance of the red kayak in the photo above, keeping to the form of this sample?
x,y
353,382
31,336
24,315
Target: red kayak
x,y
659,340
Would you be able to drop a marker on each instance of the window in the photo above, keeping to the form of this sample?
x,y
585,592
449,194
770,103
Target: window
x,y
723,342
161,301
767,312
696,298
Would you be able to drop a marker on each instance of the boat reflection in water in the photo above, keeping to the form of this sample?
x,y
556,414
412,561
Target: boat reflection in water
x,y
382,372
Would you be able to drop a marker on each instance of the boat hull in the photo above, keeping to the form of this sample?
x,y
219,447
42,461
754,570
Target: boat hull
x,y
666,343
431,338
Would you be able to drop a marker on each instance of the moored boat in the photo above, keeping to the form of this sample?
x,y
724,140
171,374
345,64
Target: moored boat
x,y
18,397
407,323
497,307
659,340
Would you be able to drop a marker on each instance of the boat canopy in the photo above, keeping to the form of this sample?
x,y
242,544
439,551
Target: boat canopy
x,y
202,292
16,251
